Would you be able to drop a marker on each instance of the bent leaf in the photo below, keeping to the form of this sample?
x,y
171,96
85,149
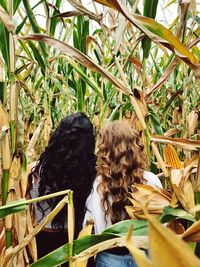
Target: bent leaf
x,y
167,249
77,55
114,232
155,31
170,214
183,143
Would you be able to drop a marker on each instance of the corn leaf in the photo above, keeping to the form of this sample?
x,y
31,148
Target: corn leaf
x,y
13,207
176,252
80,57
170,214
120,229
183,143
150,8
156,32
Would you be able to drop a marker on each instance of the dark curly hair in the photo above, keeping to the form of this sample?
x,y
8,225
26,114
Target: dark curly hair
x,y
68,162
121,163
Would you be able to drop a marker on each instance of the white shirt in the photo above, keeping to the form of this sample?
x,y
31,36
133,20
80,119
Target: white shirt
x,y
94,208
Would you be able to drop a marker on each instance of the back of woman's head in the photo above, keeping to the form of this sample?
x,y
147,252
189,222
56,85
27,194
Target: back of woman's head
x,y
121,162
68,162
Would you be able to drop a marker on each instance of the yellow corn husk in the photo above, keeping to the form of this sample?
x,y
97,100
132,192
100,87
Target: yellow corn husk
x,y
47,130
6,154
171,157
155,199
189,194
177,253
159,159
192,121
14,171
19,219
34,139
3,118
2,238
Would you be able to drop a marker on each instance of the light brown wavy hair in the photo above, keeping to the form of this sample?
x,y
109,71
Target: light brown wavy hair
x,y
121,162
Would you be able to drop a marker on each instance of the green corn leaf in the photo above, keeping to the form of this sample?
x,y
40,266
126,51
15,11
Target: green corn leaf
x,y
170,214
155,122
60,255
37,56
14,207
85,77
150,8
16,5
55,21
35,27
4,45
3,3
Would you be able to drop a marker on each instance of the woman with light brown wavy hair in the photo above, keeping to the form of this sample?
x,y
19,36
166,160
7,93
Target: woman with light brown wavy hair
x,y
121,162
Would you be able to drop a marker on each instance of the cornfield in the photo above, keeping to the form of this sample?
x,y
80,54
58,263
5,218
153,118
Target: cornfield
x,y
111,60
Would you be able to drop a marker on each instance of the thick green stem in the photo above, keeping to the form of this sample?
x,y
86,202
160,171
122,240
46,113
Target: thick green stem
x,y
8,238
5,179
4,186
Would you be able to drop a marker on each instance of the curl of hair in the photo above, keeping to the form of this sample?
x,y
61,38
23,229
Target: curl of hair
x,y
121,163
68,162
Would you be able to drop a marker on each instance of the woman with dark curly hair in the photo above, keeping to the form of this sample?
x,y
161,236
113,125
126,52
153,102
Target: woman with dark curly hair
x,y
121,162
68,162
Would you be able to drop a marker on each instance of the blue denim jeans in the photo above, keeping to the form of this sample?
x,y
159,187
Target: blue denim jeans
x,y
105,259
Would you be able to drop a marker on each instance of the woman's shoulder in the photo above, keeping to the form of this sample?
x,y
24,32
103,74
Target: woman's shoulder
x,y
152,179
97,180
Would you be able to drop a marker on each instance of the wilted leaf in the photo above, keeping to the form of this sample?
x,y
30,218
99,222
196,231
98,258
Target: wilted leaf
x,y
78,6
161,163
186,144
155,31
166,249
192,234
154,199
